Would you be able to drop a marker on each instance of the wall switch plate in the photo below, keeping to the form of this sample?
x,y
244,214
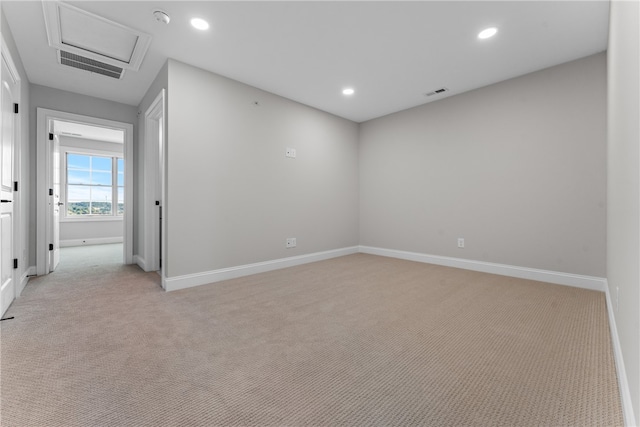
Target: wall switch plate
x,y
291,152
460,242
291,242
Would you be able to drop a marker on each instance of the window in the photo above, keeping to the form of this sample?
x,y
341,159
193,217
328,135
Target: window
x,y
94,185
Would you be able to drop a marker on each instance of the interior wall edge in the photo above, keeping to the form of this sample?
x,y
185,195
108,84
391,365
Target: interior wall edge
x,y
621,372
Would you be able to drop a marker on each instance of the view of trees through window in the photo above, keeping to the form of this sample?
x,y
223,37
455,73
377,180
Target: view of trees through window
x,y
95,185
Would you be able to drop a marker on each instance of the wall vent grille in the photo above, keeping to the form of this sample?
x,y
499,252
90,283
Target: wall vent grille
x,y
88,64
436,92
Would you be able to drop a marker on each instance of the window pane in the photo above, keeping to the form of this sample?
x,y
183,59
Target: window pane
x,y
78,161
101,164
101,200
101,178
78,193
120,201
78,200
101,194
120,172
78,177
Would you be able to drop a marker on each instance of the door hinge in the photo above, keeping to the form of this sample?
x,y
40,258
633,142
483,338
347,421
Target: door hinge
x,y
15,108
15,263
51,191
50,137
50,246
15,185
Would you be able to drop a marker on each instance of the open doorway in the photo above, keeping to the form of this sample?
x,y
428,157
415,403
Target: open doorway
x,y
88,179
85,188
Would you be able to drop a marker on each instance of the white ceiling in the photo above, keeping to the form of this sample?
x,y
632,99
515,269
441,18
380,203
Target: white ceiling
x,y
81,130
390,52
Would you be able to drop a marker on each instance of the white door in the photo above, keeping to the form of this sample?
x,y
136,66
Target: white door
x,y
55,204
7,282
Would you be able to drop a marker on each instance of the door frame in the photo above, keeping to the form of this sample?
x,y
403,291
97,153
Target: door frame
x,y
155,137
44,176
18,229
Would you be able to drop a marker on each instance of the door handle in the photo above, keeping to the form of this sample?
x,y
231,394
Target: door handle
x,y
6,201
60,203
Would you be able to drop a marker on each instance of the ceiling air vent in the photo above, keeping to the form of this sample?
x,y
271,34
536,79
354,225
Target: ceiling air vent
x,y
436,92
93,43
88,64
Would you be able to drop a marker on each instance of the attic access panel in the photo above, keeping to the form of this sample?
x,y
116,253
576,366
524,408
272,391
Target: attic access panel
x,y
82,33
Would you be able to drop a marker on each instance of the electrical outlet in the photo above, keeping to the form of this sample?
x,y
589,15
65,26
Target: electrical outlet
x,y
290,152
291,242
460,242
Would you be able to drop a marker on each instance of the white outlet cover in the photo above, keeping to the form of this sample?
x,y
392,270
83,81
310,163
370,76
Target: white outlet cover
x,y
290,152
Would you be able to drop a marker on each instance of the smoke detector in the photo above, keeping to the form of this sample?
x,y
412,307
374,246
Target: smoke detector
x,y
161,16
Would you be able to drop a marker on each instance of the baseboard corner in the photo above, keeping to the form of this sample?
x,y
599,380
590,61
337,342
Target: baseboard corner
x,y
623,384
140,262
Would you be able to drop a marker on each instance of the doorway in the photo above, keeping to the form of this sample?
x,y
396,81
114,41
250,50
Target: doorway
x,y
90,198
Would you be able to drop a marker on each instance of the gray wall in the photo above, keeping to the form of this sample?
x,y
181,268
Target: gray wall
x,y
25,209
623,221
232,196
518,169
90,230
60,100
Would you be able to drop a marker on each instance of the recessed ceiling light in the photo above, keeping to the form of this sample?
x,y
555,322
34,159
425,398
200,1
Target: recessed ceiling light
x,y
489,32
348,91
200,24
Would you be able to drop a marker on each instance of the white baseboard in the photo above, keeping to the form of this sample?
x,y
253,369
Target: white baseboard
x,y
558,278
623,384
22,282
190,280
87,242
140,261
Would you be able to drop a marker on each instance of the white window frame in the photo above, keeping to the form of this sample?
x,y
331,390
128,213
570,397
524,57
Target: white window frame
x,y
114,155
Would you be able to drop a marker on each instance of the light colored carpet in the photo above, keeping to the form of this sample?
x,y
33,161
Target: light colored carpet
x,y
353,341
81,257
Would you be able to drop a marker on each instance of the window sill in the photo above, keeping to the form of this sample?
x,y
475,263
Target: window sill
x,y
91,219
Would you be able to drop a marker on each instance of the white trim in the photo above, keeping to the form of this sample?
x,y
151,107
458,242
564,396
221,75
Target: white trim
x,y
556,277
24,279
10,64
44,115
623,384
18,228
91,219
154,148
197,279
89,242
140,262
